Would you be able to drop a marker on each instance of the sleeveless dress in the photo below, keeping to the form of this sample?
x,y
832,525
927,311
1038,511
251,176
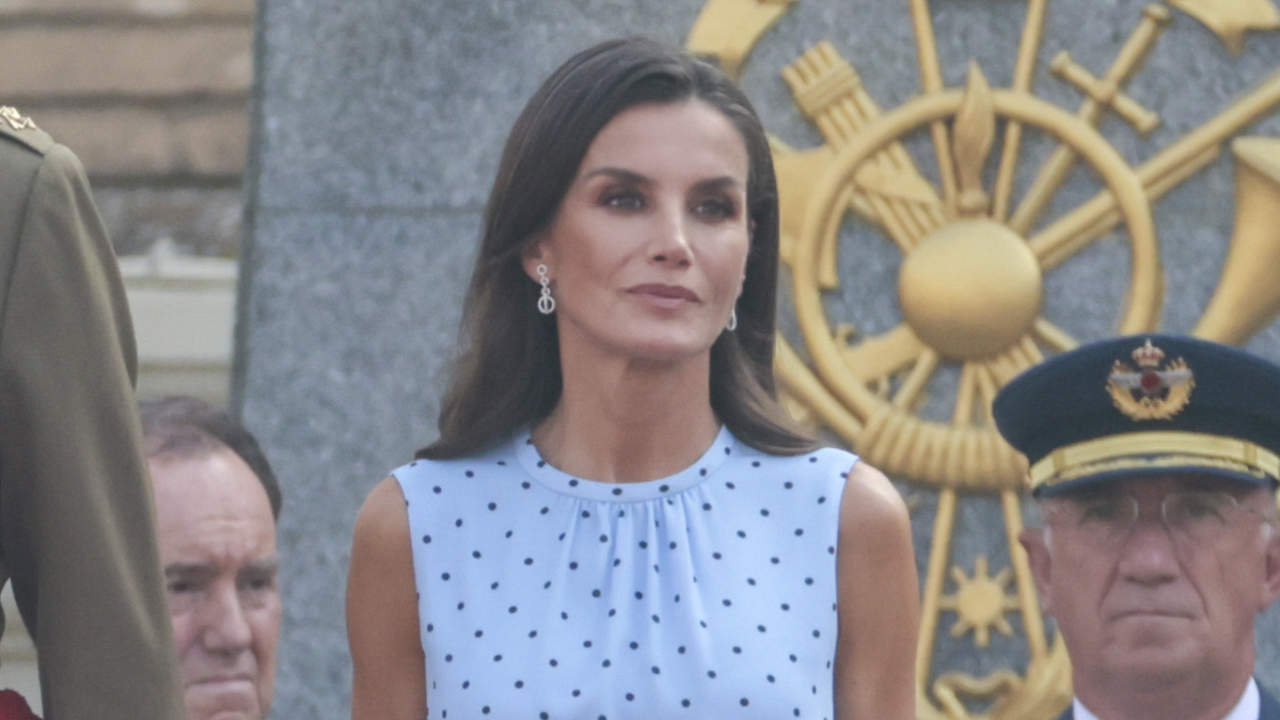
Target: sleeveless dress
x,y
707,594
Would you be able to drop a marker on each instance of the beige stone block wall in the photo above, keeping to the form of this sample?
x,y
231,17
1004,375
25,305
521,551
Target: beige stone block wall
x,y
146,57
153,95
136,142
161,8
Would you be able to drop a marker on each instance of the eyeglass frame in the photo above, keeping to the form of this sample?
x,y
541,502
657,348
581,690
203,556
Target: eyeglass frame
x,y
1053,507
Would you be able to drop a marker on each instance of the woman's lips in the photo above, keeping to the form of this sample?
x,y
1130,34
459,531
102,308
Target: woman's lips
x,y
664,296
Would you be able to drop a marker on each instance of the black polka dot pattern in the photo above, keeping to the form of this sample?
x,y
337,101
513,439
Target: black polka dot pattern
x,y
543,595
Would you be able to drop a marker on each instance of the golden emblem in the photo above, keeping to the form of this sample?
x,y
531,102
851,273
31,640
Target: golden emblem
x,y
1229,19
1151,391
16,120
971,285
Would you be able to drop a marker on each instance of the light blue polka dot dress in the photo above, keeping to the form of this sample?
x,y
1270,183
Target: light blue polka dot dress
x,y
707,594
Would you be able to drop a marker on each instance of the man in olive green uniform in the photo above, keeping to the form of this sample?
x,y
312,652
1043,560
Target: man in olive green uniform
x,y
76,527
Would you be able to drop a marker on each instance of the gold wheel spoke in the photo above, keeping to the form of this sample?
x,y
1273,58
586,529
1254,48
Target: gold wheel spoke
x,y
1022,355
962,414
1053,336
1032,30
876,358
946,166
1043,188
1031,351
1008,163
939,557
986,391
931,81
925,365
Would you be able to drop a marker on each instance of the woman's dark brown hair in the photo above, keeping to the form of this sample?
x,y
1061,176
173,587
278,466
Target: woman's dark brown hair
x,y
509,373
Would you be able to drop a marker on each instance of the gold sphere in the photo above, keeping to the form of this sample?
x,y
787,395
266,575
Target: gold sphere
x,y
970,289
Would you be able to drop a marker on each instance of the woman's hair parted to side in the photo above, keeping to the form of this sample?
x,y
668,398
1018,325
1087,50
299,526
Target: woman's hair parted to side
x,y
509,373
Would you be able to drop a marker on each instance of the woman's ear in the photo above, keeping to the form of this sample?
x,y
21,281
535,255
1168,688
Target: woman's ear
x,y
533,255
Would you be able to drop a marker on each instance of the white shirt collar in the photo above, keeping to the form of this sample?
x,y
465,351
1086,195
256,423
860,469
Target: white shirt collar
x,y
1249,707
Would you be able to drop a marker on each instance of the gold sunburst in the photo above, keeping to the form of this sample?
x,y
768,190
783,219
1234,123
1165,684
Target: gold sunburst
x,y
980,602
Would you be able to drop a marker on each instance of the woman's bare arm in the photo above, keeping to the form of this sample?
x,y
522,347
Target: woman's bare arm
x,y
388,681
878,602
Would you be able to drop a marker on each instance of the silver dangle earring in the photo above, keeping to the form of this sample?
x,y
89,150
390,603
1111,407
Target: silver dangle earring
x,y
733,320
546,303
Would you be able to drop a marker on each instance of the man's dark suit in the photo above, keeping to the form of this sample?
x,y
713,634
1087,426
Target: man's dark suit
x,y
76,519
1269,710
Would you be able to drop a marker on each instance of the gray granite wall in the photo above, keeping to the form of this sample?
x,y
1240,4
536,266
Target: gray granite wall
x,y
376,133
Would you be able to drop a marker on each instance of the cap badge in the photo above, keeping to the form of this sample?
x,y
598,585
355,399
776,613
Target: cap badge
x,y
1154,390
16,120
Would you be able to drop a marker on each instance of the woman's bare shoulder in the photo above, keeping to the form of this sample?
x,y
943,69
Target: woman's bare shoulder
x,y
382,517
871,503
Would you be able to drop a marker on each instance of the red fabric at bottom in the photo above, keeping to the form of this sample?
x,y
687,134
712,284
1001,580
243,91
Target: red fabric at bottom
x,y
14,707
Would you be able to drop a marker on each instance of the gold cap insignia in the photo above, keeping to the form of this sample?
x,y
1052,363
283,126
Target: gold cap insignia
x,y
1154,390
16,120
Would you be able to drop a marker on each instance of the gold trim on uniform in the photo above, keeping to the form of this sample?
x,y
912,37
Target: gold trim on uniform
x,y
16,120
1154,450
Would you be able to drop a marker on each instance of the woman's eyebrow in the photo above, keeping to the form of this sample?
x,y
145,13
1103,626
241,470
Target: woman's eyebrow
x,y
618,173
726,182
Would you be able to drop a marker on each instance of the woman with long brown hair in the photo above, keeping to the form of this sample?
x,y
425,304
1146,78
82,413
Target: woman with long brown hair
x,y
618,518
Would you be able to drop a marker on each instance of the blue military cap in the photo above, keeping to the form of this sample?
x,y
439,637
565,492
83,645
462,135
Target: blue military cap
x,y
1144,404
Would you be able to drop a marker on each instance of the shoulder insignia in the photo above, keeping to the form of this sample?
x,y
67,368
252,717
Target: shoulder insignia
x,y
16,120
1154,390
22,130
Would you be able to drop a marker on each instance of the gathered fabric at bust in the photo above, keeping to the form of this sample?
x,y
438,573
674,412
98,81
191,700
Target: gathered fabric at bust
x,y
709,593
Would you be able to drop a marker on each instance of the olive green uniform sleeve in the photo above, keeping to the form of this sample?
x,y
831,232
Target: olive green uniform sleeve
x,y
76,511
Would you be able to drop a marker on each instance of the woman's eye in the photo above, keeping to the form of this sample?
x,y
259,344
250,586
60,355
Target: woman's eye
x,y
623,201
715,209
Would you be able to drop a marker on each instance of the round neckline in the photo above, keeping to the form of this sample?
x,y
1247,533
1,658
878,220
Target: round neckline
x,y
724,446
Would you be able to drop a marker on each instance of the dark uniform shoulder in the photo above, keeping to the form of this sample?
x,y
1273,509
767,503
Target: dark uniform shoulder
x,y
19,131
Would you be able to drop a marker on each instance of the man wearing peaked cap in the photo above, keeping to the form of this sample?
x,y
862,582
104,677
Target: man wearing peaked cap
x,y
1154,460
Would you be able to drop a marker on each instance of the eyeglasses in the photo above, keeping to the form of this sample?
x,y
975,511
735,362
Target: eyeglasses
x,y
1199,516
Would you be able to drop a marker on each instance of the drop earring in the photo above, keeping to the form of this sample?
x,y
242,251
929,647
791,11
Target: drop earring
x,y
733,320
546,303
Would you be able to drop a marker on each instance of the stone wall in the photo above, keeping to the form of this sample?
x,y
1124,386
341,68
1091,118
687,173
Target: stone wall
x,y
153,96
